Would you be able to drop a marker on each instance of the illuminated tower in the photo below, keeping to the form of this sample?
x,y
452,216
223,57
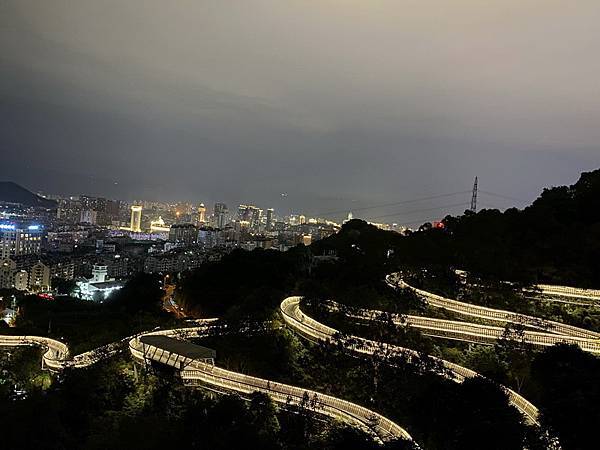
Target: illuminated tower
x,y
99,273
201,214
136,218
270,218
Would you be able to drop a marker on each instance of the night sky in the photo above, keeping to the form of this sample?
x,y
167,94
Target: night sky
x,y
339,104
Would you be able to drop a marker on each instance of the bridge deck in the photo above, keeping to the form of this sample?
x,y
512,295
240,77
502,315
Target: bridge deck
x,y
177,347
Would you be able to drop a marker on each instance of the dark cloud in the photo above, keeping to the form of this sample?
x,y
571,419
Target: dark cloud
x,y
337,103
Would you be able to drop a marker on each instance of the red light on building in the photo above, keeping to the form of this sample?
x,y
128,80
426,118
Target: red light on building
x,y
439,225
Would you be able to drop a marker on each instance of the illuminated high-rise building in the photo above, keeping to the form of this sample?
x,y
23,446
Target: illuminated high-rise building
x,y
136,218
18,240
250,214
302,220
220,215
201,214
269,223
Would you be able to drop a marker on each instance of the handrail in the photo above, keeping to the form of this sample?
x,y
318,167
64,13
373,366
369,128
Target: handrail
x,y
309,327
483,334
57,358
383,428
57,355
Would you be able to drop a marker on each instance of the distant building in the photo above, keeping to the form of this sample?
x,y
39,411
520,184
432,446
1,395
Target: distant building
x,y
106,211
183,233
136,219
261,242
99,274
39,277
8,269
18,240
89,216
99,287
221,215
21,280
201,214
63,268
178,260
12,277
208,237
269,222
159,226
69,210
250,214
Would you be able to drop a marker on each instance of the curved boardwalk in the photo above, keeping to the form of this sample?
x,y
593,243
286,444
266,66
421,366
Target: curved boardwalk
x,y
57,357
311,329
550,333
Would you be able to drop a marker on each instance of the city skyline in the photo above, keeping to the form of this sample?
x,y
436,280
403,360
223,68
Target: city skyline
x,y
351,104
284,225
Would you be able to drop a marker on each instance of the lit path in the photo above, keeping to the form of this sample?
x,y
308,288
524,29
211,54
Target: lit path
x,y
591,296
204,373
57,355
550,292
192,371
316,331
471,332
551,332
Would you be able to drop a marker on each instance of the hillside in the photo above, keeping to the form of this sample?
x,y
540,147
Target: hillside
x,y
554,240
13,193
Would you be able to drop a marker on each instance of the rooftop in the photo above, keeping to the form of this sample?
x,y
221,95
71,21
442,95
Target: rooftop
x,y
175,346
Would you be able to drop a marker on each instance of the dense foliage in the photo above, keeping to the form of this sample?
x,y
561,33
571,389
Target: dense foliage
x,y
439,413
243,283
105,407
85,324
556,239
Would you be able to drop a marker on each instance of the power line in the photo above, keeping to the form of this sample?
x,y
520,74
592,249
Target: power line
x,y
400,213
383,205
506,197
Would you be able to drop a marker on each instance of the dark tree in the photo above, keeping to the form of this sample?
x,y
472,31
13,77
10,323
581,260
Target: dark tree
x,y
569,394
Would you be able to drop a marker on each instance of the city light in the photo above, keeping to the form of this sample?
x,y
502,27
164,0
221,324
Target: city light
x,y
6,226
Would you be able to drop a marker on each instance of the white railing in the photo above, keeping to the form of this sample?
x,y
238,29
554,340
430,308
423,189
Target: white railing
x,y
567,291
497,315
190,370
482,334
57,355
309,327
